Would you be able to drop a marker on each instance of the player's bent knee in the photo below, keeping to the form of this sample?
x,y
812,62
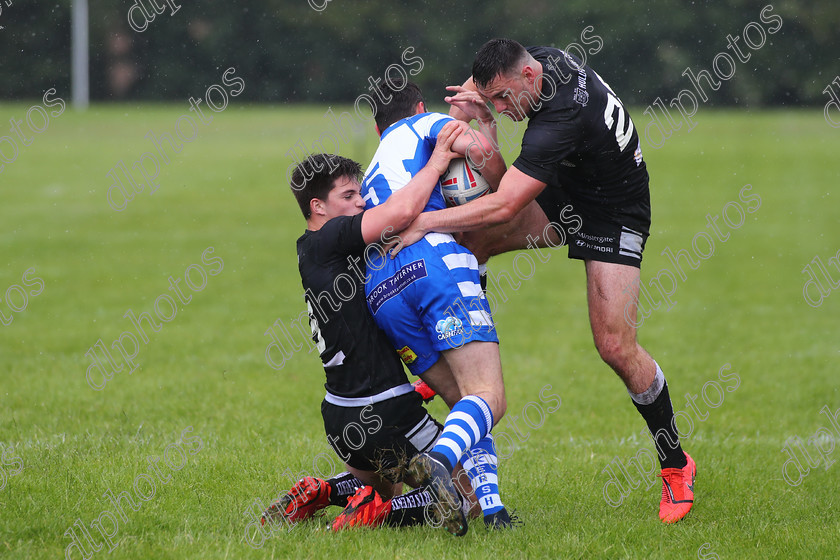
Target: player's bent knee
x,y
498,407
497,404
614,351
501,412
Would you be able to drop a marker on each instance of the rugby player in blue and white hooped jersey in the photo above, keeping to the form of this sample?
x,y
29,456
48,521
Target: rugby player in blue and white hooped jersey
x,y
430,303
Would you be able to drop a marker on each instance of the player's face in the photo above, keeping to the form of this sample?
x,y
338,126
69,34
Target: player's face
x,y
345,199
510,95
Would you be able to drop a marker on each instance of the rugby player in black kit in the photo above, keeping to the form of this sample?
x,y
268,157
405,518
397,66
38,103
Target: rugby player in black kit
x,y
580,180
366,384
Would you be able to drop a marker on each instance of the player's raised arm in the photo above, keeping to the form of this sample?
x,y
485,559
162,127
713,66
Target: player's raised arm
x,y
403,206
483,149
467,104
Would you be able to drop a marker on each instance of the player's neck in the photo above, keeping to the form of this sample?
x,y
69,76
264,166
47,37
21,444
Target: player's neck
x,y
538,82
315,223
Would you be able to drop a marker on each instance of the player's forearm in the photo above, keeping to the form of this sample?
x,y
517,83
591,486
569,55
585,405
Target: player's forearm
x,y
488,128
489,210
458,114
483,153
494,167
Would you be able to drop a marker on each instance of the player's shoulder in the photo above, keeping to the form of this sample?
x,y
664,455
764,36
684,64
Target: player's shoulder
x,y
564,95
336,230
555,60
426,121
338,235
538,51
423,125
429,117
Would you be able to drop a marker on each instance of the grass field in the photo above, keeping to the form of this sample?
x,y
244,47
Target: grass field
x,y
203,396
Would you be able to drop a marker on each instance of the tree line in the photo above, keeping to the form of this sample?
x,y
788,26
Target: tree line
x,y
743,53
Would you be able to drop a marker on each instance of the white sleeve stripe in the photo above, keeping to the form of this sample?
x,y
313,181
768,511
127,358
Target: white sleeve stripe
x,y
480,319
435,239
460,260
470,289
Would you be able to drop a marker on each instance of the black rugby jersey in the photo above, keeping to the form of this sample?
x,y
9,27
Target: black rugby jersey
x,y
358,358
581,137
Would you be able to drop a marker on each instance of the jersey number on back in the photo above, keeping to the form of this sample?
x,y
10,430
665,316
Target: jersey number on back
x,y
316,330
624,127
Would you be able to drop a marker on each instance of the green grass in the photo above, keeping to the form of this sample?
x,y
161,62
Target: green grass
x,y
206,369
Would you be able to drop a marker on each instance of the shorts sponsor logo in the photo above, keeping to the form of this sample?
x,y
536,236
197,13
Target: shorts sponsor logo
x,y
449,327
595,242
601,248
395,284
407,354
596,238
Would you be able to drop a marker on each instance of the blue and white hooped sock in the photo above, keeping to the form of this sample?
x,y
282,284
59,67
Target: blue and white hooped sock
x,y
468,422
482,466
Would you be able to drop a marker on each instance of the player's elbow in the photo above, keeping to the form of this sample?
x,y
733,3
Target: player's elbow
x,y
480,148
402,216
504,212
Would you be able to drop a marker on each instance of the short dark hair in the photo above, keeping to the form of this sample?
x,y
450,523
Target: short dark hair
x,y
496,57
315,176
395,101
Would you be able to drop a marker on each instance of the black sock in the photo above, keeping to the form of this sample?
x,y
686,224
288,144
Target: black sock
x,y
482,278
343,486
409,509
659,416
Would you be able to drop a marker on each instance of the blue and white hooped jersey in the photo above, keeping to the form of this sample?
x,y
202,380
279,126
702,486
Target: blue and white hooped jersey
x,y
428,298
404,149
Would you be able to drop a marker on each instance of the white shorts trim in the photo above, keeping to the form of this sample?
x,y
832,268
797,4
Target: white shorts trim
x,y
397,391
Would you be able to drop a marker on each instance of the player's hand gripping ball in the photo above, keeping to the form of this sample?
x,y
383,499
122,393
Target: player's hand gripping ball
x,y
462,183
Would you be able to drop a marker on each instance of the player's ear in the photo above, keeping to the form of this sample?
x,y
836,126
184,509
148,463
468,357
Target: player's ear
x,y
376,128
529,73
317,207
420,109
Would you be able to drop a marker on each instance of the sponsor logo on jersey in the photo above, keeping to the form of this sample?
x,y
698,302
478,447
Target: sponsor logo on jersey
x,y
581,95
407,354
393,285
449,327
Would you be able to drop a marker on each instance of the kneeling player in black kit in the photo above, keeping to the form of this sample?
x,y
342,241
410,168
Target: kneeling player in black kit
x,y
366,383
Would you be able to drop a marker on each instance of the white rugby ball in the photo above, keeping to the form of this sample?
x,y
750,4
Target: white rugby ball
x,y
462,183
